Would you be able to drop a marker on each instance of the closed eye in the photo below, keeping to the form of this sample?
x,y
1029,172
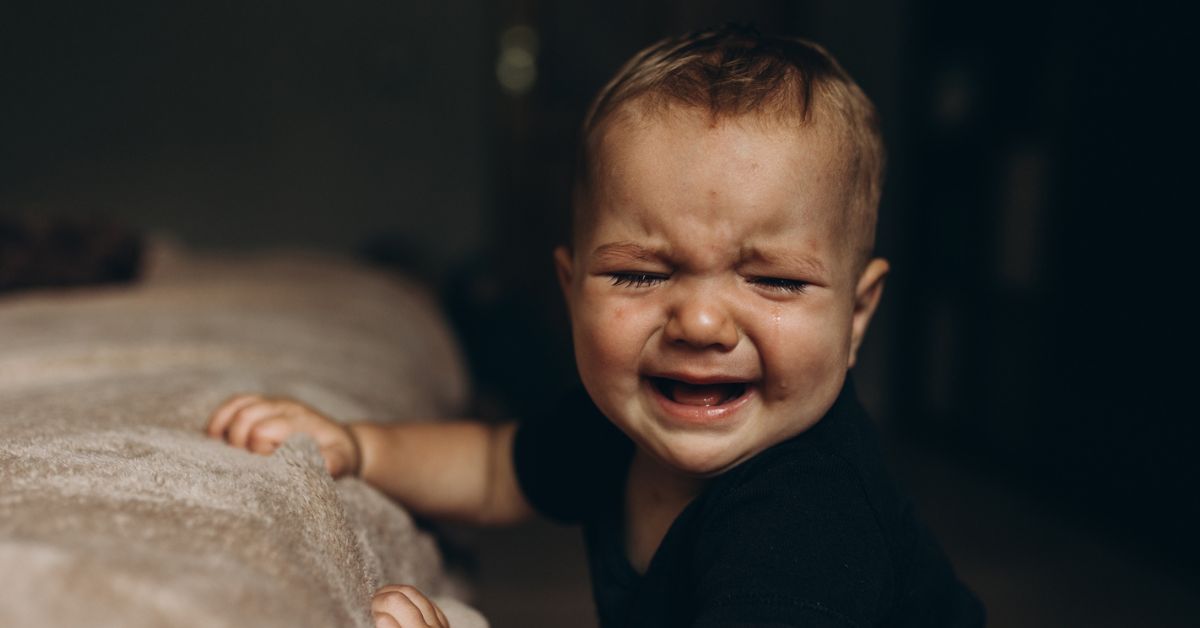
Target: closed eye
x,y
635,279
778,284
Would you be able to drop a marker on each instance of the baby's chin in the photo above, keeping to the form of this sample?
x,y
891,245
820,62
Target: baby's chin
x,y
700,455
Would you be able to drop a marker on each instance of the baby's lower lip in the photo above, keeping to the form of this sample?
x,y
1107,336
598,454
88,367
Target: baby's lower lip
x,y
693,404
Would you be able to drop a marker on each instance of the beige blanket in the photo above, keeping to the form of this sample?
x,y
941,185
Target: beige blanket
x,y
115,509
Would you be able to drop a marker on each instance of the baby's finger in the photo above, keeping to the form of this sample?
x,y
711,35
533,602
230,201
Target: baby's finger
x,y
429,610
246,418
266,435
223,415
383,620
408,605
445,623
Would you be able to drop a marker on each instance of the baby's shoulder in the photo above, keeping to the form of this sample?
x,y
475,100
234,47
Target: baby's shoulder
x,y
834,472
797,531
797,473
792,485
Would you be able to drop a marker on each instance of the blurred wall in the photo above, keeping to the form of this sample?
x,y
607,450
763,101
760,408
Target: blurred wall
x,y
243,124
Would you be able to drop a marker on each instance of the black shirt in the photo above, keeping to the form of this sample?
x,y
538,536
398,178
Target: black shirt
x,y
810,532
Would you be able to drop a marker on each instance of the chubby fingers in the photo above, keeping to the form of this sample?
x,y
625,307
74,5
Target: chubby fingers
x,y
407,607
383,620
268,434
251,416
253,422
225,413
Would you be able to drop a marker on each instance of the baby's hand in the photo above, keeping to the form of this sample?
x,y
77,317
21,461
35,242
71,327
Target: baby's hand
x,y
403,606
260,424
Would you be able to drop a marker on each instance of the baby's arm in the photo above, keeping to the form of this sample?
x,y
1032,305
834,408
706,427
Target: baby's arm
x,y
449,470
460,470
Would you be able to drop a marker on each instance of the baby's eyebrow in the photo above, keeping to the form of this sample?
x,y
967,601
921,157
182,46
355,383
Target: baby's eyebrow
x,y
786,259
625,252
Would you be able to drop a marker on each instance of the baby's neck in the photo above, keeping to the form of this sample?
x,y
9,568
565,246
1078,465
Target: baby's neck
x,y
655,494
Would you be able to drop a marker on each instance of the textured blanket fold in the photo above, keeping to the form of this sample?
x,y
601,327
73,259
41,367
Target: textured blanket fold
x,y
116,509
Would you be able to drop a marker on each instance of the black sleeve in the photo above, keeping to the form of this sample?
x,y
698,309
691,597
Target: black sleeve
x,y
571,461
798,545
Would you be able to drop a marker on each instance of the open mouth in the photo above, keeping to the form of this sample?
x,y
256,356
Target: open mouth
x,y
698,394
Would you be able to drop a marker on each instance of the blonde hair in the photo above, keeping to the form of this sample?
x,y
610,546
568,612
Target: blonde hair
x,y
735,71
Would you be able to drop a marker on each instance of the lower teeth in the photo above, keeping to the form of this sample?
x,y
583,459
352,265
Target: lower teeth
x,y
701,395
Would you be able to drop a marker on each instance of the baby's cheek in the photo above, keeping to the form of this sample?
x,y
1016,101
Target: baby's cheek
x,y
801,357
601,361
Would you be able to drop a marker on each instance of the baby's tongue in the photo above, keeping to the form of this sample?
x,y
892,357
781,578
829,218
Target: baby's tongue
x,y
701,394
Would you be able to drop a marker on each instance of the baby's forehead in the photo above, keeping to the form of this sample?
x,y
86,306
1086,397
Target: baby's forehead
x,y
654,143
633,122
638,161
646,113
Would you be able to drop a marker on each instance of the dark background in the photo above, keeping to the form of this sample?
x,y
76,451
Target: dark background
x,y
1037,332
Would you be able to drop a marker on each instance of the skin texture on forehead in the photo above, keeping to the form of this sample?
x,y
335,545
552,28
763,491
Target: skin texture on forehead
x,y
808,159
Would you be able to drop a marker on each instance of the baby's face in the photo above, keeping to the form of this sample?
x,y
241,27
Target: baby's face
x,y
715,298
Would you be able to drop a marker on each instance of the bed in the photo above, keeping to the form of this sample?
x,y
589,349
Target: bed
x,y
116,509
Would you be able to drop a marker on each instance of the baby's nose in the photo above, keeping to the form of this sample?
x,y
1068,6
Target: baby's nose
x,y
701,323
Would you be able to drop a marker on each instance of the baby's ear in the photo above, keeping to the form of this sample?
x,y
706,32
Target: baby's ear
x,y
564,267
866,298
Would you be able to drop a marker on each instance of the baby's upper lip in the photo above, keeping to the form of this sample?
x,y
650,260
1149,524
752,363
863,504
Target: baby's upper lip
x,y
701,379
